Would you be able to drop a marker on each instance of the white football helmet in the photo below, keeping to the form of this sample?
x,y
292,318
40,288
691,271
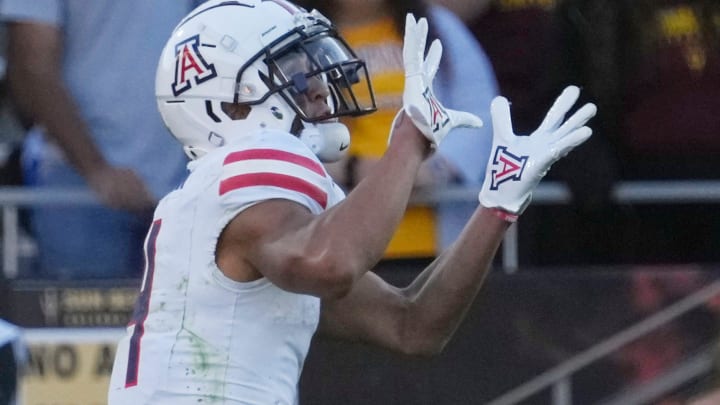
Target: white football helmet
x,y
233,67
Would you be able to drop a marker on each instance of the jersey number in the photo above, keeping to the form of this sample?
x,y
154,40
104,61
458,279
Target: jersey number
x,y
141,307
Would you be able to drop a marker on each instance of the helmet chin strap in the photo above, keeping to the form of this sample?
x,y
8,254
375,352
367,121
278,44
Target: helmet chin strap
x,y
328,140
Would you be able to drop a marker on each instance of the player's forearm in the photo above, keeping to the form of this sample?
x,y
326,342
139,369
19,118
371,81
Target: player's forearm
x,y
442,294
36,83
361,227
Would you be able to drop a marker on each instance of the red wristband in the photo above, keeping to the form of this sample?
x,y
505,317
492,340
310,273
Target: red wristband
x,y
504,215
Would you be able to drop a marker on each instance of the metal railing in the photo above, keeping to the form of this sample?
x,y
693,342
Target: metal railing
x,y
547,193
556,193
12,199
559,380
693,366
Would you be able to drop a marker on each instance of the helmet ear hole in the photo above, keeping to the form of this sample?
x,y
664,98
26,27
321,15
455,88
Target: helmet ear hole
x,y
235,111
297,126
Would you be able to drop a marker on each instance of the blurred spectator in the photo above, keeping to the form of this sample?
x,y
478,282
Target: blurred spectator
x,y
465,81
12,133
11,130
523,39
83,74
11,359
654,68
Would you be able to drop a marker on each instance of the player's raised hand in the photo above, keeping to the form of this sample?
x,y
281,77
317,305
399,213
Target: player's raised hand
x,y
518,163
419,102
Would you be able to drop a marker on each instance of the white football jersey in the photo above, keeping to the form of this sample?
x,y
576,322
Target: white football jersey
x,y
196,336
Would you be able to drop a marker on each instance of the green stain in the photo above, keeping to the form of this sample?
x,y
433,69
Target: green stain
x,y
213,371
200,354
183,284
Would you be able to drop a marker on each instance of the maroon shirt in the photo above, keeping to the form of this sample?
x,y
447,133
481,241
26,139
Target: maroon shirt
x,y
522,43
672,98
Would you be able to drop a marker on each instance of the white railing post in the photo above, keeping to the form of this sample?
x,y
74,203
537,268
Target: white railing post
x,y
10,241
510,249
562,392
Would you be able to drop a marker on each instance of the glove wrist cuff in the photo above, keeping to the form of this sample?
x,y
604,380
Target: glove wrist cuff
x,y
504,215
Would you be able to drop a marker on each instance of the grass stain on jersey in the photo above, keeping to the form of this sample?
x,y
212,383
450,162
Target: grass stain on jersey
x,y
200,355
183,284
210,370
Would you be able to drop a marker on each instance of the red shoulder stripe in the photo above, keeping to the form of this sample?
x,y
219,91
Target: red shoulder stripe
x,y
274,154
276,180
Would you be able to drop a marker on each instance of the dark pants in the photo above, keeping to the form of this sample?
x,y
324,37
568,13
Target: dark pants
x,y
8,374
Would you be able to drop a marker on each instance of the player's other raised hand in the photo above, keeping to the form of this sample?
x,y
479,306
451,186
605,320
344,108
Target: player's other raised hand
x,y
518,163
419,102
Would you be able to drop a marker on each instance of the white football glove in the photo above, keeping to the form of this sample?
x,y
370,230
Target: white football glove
x,y
419,102
518,163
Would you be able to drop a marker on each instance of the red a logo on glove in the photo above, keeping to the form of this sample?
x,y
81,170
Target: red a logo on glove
x,y
438,116
509,167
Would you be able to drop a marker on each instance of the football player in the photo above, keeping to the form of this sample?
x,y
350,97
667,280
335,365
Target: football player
x,y
259,249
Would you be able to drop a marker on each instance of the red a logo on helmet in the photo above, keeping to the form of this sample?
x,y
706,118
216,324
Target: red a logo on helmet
x,y
190,66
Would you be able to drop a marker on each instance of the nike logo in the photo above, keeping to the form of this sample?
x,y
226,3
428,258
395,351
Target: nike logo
x,y
343,146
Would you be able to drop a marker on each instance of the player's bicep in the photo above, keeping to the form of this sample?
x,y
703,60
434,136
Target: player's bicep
x,y
262,241
276,189
372,312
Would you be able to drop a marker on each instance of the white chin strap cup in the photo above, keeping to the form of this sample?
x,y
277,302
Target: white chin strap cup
x,y
328,140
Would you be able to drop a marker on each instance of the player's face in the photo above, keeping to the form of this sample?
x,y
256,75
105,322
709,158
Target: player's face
x,y
309,93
